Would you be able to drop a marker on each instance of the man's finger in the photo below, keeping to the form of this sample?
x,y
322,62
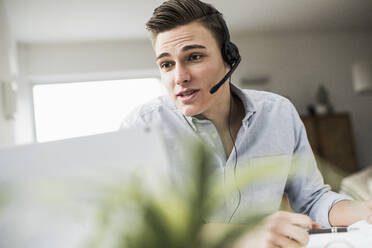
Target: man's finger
x,y
286,242
369,219
300,220
294,233
315,225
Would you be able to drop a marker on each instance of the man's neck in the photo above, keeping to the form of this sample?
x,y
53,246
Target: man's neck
x,y
229,127
226,113
219,112
232,110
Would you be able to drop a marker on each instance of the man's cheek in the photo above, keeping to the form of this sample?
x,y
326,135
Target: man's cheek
x,y
167,84
170,89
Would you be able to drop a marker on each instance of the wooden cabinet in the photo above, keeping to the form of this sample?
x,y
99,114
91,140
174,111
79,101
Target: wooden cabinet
x,y
331,138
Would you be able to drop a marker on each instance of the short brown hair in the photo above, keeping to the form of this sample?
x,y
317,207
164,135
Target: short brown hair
x,y
174,13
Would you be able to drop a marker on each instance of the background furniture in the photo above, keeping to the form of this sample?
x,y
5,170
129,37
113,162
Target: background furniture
x,y
332,141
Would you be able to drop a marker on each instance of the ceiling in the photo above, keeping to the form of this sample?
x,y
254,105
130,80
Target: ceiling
x,y
86,20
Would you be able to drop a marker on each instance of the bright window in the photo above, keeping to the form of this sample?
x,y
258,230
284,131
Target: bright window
x,y
77,109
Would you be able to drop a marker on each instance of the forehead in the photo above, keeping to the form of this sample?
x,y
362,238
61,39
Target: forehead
x,y
176,38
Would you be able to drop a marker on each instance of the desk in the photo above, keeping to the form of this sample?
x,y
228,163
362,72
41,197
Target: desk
x,y
361,238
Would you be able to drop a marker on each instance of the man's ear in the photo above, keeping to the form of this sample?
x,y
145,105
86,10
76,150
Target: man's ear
x,y
227,67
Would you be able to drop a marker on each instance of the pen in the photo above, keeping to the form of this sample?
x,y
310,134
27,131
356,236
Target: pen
x,y
331,230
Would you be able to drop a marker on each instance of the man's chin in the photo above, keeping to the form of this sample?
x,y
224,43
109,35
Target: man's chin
x,y
189,112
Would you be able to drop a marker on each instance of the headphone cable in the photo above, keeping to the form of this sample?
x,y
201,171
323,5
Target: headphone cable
x,y
235,163
236,158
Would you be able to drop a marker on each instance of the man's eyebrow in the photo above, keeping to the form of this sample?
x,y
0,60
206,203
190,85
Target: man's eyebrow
x,y
162,55
184,49
190,47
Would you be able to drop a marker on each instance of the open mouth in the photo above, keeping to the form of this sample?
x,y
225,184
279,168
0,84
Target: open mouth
x,y
187,93
188,96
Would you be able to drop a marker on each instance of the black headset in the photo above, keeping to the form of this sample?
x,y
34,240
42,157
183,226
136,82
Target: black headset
x,y
230,54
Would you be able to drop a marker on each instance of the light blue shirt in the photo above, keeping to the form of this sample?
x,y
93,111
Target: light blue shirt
x,y
271,132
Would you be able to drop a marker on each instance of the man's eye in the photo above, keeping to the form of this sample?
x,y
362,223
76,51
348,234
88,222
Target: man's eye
x,y
165,65
194,57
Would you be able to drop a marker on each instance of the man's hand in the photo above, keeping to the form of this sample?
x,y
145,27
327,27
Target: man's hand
x,y
369,214
345,213
282,229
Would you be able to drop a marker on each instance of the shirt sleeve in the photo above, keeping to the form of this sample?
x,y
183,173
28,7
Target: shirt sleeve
x,y
305,187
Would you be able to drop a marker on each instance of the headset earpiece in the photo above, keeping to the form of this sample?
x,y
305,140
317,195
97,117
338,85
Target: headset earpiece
x,y
230,53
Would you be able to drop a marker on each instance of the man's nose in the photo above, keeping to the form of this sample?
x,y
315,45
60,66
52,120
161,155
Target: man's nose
x,y
182,74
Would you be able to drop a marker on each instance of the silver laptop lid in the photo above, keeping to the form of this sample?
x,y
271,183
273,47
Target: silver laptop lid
x,y
52,190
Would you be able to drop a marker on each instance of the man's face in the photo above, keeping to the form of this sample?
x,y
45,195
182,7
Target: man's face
x,y
190,64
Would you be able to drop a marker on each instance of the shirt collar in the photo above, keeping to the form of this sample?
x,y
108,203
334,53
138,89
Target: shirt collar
x,y
248,104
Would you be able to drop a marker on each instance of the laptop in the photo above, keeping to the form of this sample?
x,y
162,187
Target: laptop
x,y
50,192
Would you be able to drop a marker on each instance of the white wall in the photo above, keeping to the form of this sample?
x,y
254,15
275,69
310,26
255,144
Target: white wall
x,y
296,63
8,71
86,58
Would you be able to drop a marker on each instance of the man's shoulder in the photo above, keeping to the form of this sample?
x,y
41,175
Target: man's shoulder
x,y
161,102
265,99
273,108
147,113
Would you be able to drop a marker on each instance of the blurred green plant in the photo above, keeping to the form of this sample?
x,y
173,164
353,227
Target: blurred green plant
x,y
135,215
3,197
2,200
131,217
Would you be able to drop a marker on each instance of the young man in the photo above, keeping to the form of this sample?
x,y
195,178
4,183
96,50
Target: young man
x,y
194,54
